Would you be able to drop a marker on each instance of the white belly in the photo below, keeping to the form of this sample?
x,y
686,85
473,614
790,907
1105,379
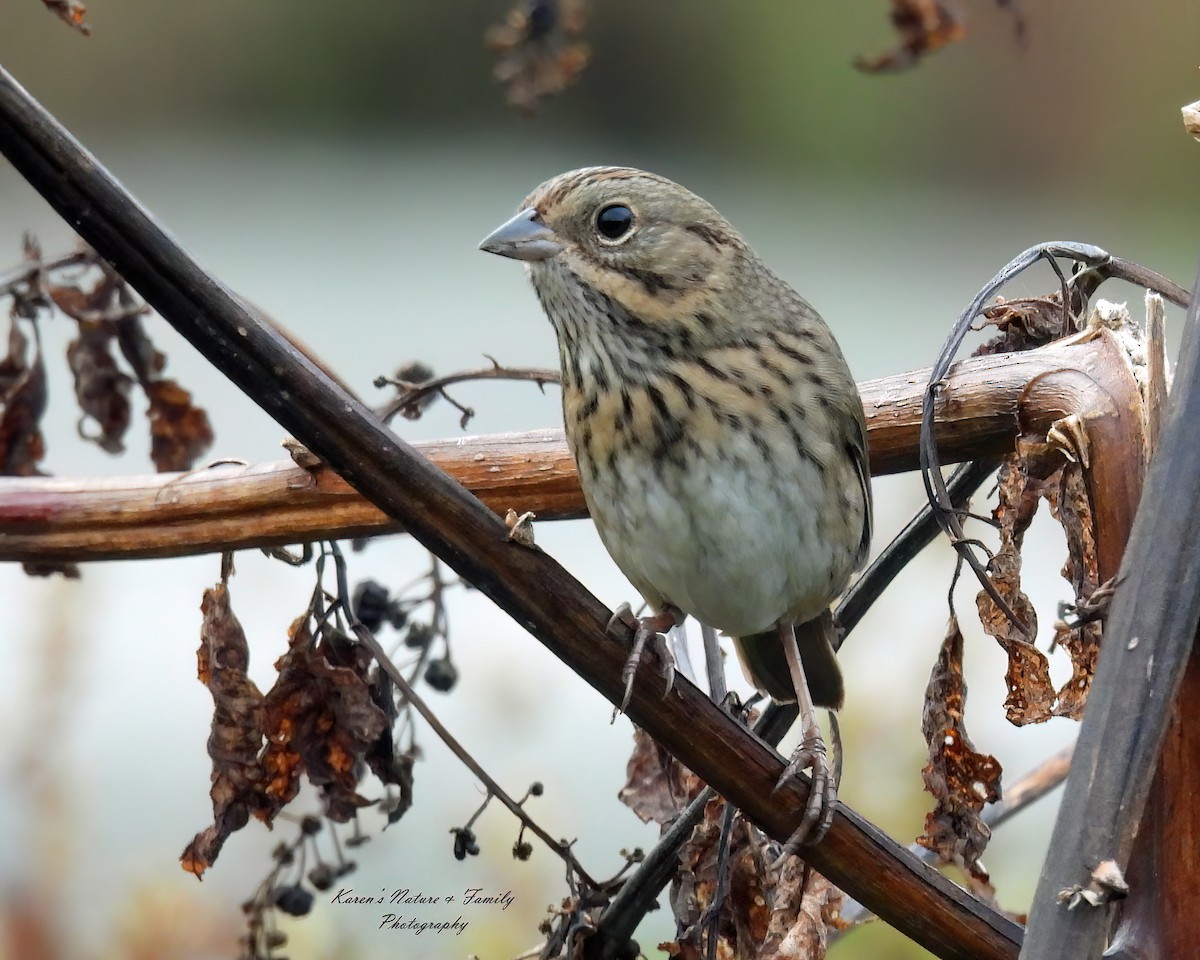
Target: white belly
x,y
722,542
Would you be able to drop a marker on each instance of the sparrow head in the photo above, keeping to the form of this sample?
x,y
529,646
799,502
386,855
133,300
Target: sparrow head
x,y
639,241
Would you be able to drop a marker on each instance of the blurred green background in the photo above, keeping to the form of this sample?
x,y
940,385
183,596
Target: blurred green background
x,y
337,164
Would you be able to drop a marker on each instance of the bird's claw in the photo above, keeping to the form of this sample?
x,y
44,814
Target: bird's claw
x,y
645,630
822,795
623,615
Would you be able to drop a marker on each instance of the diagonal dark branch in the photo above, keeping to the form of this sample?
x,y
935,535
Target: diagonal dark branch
x,y
1147,639
917,534
446,519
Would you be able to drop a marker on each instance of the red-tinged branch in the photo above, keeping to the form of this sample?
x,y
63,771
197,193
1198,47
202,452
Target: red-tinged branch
x,y
227,507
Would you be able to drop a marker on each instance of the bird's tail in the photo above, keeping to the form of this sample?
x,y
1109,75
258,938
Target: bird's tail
x,y
765,664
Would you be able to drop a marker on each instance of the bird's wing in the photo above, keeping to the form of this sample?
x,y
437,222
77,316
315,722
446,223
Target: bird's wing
x,y
858,454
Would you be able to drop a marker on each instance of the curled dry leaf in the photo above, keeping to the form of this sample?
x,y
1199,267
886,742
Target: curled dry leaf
x,y
72,12
1038,471
325,718
22,404
1069,505
1024,323
179,430
764,913
1031,694
320,719
925,26
960,779
657,786
236,737
520,528
101,387
802,932
391,767
539,49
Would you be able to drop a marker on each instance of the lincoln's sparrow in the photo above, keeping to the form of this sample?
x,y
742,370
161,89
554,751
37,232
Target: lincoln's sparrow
x,y
718,432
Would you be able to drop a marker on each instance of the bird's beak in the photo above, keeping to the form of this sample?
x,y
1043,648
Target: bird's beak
x,y
524,237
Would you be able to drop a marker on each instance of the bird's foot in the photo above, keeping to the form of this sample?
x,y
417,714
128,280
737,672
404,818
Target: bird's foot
x,y
822,794
646,630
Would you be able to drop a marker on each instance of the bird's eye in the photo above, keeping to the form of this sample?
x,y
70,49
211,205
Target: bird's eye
x,y
614,221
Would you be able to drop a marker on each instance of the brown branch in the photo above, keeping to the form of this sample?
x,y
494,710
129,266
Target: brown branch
x,y
987,402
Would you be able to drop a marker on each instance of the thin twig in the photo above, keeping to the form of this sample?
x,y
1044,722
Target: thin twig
x,y
917,534
29,271
367,639
412,396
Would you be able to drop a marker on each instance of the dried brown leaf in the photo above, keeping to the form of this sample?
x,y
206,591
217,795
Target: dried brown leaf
x,y
1023,324
101,388
657,786
320,719
804,931
765,913
924,26
236,736
22,403
382,758
960,779
1069,505
539,49
1038,471
147,361
1031,693
179,431
72,12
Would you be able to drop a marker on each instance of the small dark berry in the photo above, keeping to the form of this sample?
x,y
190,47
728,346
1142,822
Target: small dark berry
x,y
310,825
370,604
522,850
294,901
321,876
536,789
464,843
441,674
418,635
542,16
